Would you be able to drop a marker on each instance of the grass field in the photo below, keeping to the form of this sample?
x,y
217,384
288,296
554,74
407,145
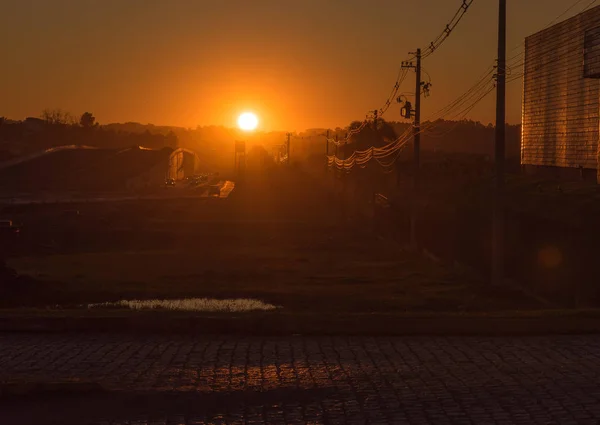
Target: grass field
x,y
318,277
278,239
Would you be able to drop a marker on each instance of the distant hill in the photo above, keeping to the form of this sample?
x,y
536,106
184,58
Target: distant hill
x,y
215,144
82,170
138,128
468,137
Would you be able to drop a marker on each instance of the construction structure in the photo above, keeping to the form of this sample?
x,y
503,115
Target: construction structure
x,y
84,168
183,163
561,100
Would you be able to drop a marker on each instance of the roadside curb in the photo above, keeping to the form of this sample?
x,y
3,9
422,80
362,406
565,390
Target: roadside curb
x,y
29,388
282,325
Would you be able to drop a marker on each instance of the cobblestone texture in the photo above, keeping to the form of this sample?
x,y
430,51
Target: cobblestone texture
x,y
304,380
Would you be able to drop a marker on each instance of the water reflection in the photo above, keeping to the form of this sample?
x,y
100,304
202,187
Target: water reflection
x,y
237,305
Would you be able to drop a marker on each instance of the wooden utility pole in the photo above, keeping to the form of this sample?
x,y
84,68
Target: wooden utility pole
x,y
335,172
414,210
498,193
375,119
417,155
327,152
289,135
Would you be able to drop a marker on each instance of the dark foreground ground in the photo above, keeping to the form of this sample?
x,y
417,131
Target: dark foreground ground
x,y
280,237
301,380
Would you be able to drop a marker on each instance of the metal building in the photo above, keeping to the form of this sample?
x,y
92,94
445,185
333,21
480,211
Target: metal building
x,y
183,163
561,95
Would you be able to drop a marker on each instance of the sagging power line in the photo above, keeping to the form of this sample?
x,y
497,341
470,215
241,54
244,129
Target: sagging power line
x,y
402,73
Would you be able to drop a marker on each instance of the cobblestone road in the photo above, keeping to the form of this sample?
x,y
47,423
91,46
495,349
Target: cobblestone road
x,y
228,380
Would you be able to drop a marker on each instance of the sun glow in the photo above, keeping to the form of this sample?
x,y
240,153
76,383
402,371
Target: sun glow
x,y
248,121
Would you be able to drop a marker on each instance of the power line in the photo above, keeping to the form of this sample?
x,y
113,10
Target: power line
x,y
361,158
434,45
402,73
520,55
459,108
555,20
574,5
461,115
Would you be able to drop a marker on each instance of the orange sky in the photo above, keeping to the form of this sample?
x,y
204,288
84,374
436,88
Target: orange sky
x,y
297,64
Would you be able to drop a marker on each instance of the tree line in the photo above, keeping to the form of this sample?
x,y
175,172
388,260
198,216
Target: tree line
x,y
461,137
215,144
55,127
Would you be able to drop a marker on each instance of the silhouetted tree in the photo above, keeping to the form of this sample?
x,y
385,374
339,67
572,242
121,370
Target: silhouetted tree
x,y
370,136
57,116
87,120
172,139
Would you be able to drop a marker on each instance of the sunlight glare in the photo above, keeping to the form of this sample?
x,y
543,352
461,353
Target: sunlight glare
x,y
248,121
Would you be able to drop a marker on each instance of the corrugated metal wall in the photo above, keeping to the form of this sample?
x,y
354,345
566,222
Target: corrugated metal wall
x,y
560,106
591,53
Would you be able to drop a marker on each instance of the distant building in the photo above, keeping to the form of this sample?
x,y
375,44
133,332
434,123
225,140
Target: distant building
x,y
79,169
561,101
183,163
149,179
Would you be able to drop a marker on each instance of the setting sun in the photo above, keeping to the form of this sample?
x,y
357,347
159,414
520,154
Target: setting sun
x,y
248,121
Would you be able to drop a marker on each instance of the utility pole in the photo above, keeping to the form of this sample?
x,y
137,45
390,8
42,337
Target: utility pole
x,y
498,203
326,151
289,135
417,155
375,119
417,126
416,147
345,145
335,172
336,145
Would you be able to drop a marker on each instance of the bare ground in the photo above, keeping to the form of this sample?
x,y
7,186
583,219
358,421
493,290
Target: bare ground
x,y
279,238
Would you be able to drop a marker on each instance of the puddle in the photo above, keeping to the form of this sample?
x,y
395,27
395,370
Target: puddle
x,y
237,305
